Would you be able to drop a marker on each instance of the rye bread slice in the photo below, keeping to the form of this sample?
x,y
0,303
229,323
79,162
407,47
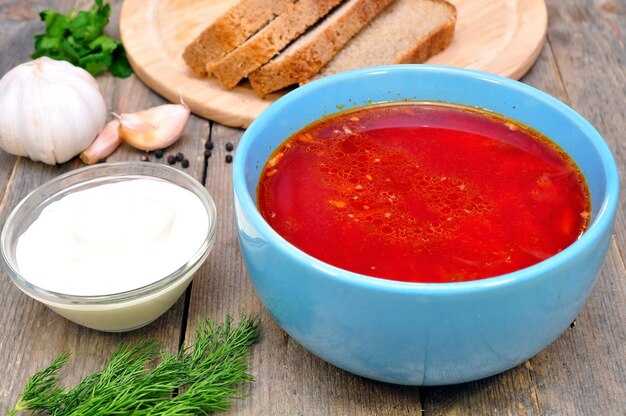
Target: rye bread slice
x,y
310,52
230,30
408,31
269,41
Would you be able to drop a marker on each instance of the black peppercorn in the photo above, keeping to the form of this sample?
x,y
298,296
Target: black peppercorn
x,y
208,145
229,158
171,159
179,156
184,163
229,147
158,154
207,153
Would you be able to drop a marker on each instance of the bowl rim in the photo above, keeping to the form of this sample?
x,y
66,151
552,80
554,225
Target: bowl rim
x,y
131,170
601,223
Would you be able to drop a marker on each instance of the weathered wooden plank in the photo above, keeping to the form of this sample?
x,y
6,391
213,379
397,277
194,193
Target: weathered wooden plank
x,y
19,23
30,334
583,372
588,37
21,319
513,392
289,379
552,383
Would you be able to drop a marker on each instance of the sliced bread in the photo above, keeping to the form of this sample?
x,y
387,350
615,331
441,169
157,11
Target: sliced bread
x,y
310,52
269,41
408,31
230,30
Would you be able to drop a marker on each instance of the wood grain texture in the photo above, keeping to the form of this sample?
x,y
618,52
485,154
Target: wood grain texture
x,y
513,392
584,371
502,36
588,39
564,379
31,335
290,380
581,373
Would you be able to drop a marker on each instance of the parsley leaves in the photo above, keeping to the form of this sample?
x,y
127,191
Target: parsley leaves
x,y
79,39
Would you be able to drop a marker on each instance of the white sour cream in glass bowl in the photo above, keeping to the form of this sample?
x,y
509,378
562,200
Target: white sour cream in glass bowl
x,y
111,246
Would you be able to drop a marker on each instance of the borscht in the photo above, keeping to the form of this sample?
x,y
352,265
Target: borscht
x,y
424,192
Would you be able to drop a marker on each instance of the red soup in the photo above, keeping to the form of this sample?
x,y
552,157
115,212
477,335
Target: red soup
x,y
424,192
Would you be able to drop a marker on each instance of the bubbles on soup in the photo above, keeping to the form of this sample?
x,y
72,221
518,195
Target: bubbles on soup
x,y
371,195
423,192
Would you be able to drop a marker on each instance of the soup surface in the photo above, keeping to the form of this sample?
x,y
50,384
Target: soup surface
x,y
424,192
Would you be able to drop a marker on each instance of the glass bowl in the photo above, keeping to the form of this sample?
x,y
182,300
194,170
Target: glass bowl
x,y
113,312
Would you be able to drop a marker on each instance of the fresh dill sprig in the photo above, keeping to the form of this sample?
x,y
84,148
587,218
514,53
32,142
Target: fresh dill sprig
x,y
43,391
140,380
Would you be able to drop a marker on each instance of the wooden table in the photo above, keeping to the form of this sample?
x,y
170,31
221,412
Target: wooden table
x,y
581,373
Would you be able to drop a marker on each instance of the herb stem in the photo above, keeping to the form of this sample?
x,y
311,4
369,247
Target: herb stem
x,y
141,380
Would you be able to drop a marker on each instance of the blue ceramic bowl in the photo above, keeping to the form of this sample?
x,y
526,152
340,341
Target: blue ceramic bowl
x,y
417,333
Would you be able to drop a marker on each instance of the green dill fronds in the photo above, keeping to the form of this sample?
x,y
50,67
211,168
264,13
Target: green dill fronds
x,y
139,380
43,390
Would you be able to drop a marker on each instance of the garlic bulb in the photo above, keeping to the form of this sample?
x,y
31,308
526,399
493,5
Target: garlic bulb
x,y
50,110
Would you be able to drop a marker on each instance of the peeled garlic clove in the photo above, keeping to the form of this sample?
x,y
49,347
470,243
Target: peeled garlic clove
x,y
154,128
107,141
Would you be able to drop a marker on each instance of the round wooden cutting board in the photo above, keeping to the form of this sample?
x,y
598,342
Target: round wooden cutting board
x,y
499,36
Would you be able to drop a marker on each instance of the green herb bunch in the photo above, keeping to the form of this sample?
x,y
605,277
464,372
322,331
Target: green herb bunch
x,y
78,37
140,380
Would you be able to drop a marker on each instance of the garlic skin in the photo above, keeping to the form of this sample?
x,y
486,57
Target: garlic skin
x,y
107,141
154,128
50,110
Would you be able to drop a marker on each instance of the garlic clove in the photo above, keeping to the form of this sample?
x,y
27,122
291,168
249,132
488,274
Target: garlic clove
x,y
107,141
137,125
154,128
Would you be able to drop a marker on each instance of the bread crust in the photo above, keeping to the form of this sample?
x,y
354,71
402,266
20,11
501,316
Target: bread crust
x,y
435,42
424,28
230,30
354,34
298,65
269,41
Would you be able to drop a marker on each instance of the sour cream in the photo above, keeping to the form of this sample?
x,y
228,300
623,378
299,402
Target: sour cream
x,y
112,238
